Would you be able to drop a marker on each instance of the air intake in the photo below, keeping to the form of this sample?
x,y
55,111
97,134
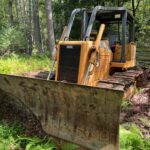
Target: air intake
x,y
68,66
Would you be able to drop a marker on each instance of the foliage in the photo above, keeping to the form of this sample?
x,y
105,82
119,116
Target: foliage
x,y
132,139
125,104
11,137
19,63
11,39
69,147
8,135
61,13
37,143
142,22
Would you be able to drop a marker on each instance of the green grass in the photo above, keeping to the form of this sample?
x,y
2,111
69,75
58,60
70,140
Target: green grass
x,y
12,137
125,104
132,139
8,136
21,63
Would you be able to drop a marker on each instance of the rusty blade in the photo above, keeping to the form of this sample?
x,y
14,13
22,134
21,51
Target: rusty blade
x,y
87,116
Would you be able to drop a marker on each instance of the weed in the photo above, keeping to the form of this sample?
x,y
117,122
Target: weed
x,y
8,135
11,137
132,139
21,63
125,104
36,143
69,147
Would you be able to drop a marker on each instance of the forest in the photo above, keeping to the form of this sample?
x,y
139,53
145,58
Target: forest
x,y
24,25
29,30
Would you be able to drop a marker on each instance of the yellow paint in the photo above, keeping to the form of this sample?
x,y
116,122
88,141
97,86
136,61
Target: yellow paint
x,y
99,55
130,56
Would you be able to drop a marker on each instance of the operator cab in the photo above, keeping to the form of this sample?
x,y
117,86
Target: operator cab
x,y
118,34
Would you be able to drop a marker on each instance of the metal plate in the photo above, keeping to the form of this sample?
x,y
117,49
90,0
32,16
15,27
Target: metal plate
x,y
83,115
69,63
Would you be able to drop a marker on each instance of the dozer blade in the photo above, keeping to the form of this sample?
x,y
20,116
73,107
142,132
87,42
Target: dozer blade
x,y
83,115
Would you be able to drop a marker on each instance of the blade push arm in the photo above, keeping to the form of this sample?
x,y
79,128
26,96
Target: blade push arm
x,y
99,37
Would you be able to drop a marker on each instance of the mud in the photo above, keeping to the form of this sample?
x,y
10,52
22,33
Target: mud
x,y
139,110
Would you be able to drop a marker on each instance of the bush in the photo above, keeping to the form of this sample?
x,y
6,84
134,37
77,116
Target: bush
x,y
132,139
12,138
8,135
11,39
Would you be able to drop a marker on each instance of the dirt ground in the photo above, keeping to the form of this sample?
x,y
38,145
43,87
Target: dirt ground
x,y
138,110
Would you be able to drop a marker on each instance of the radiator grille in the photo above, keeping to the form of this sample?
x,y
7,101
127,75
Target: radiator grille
x,y
69,63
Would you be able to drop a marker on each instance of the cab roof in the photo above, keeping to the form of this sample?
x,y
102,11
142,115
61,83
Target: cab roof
x,y
111,14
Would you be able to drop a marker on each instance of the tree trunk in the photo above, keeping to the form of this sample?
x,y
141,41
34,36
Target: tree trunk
x,y
25,20
36,23
135,8
10,12
16,7
30,29
51,38
2,9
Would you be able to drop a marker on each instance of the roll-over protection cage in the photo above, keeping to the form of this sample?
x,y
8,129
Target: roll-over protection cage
x,y
104,15
85,20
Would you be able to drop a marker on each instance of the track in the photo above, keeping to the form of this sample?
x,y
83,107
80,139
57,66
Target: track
x,y
126,81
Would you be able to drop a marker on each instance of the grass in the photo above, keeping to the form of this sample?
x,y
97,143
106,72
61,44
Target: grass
x,y
12,138
21,63
8,136
125,104
132,139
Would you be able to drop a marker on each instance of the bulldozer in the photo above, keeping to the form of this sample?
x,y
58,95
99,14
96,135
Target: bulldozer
x,y
95,68
103,56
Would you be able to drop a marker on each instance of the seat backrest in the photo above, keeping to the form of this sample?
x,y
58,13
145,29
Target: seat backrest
x,y
130,52
113,37
105,44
